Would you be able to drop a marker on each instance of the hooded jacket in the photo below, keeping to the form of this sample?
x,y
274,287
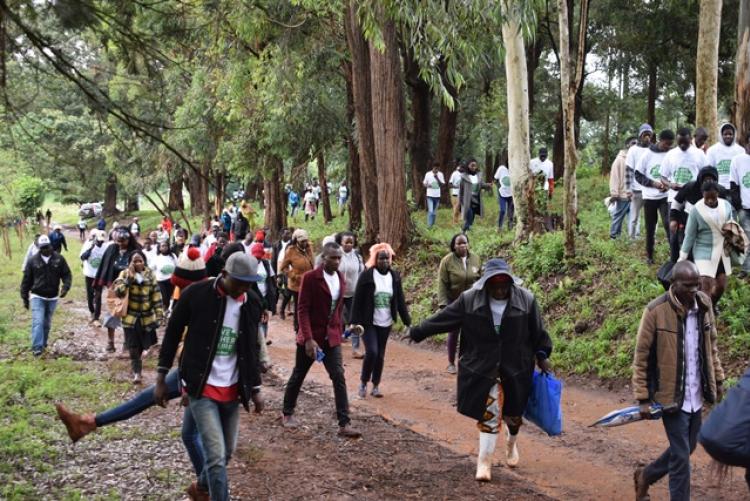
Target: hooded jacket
x,y
691,193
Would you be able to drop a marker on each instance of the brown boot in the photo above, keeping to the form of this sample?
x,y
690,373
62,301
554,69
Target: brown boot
x,y
78,426
349,432
196,493
641,486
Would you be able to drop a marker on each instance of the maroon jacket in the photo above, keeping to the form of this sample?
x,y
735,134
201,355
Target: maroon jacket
x,y
316,321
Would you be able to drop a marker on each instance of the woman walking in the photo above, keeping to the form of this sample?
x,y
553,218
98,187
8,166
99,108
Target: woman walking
x,y
458,271
115,259
470,194
352,267
378,300
163,265
704,240
266,288
298,260
144,309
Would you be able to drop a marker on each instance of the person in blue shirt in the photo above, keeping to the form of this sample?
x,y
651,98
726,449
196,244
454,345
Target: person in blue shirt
x,y
293,201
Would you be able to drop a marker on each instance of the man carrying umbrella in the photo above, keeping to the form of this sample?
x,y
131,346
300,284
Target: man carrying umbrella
x,y
676,365
503,336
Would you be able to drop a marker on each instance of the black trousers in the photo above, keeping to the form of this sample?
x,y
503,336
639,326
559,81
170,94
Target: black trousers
x,y
166,288
375,339
94,299
652,209
334,366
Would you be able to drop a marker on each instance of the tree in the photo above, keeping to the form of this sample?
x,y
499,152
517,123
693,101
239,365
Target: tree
x,y
706,100
742,73
518,115
568,87
28,194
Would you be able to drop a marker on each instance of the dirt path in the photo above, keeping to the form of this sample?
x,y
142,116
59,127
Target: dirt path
x,y
583,463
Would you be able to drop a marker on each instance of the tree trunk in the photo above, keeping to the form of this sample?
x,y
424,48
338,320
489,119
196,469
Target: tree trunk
x,y
363,112
489,167
352,166
176,201
275,207
110,196
221,186
706,102
421,130
446,141
533,54
742,74
518,124
131,203
198,188
323,183
388,113
652,91
558,144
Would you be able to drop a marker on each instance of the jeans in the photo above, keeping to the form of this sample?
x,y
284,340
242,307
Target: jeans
x,y
452,346
93,299
191,439
375,339
745,223
652,209
41,321
469,217
140,402
634,224
432,206
294,209
218,425
335,368
506,206
682,432
347,311
622,209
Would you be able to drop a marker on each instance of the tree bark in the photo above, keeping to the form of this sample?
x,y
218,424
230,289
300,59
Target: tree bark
x,y
533,53
652,92
323,183
176,201
388,113
421,130
110,196
221,185
742,74
706,81
352,167
275,208
363,112
198,188
446,142
131,203
518,124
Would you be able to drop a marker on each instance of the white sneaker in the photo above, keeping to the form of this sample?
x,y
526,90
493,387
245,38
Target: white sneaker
x,y
511,449
487,443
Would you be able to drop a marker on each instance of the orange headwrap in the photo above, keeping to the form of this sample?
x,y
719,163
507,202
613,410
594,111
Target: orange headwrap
x,y
377,249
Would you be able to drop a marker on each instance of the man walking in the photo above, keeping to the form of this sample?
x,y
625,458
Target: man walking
x,y
543,165
455,182
677,329
433,180
319,309
57,239
720,155
220,362
618,192
504,196
40,290
91,256
635,152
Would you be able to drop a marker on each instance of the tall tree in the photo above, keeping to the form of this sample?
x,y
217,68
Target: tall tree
x,y
275,209
323,183
421,128
706,100
388,112
742,73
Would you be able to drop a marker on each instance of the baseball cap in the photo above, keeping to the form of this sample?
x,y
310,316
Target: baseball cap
x,y
57,227
101,236
43,241
242,267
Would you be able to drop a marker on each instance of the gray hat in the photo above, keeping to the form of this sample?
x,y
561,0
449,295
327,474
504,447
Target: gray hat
x,y
493,267
242,267
645,128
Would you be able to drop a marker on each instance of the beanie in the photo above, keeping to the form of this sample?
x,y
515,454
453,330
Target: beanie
x,y
190,268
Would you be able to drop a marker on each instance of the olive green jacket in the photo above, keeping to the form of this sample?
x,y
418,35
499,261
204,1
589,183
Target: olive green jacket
x,y
453,278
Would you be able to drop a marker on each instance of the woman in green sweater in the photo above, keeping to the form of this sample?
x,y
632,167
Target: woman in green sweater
x,y
705,242
458,271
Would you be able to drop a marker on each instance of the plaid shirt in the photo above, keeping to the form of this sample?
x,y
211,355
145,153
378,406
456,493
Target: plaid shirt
x,y
144,299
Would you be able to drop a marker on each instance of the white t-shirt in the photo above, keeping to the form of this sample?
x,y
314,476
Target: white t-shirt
x,y
498,308
262,286
455,182
381,316
538,166
740,175
224,371
432,182
720,156
334,285
635,153
650,166
681,167
91,265
502,175
135,228
163,266
151,254
310,197
316,192
343,191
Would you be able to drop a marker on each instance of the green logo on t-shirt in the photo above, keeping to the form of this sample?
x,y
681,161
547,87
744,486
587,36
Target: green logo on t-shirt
x,y
506,181
723,167
382,300
94,262
683,175
167,269
227,342
746,180
655,171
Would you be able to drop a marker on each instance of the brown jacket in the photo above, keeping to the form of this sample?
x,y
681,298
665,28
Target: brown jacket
x,y
617,187
296,264
659,365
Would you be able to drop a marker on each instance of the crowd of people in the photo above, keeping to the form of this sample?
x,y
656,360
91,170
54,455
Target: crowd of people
x,y
214,293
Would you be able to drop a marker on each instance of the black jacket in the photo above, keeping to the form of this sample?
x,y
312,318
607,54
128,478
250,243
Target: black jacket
x,y
363,304
691,193
43,279
240,228
201,310
485,355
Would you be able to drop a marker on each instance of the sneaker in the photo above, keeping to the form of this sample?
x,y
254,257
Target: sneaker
x,y
362,392
111,348
358,355
376,392
289,422
282,315
37,353
197,493
96,323
451,369
641,487
348,432
137,378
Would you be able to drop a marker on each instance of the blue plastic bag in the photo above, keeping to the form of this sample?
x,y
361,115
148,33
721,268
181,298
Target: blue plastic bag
x,y
544,407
